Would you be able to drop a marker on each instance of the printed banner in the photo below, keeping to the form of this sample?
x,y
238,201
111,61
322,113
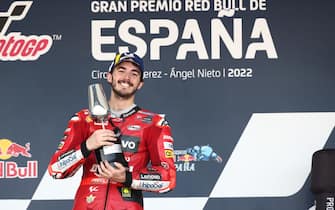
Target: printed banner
x,y
246,85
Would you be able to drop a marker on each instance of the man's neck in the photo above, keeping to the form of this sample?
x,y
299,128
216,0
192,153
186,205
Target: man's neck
x,y
119,103
123,112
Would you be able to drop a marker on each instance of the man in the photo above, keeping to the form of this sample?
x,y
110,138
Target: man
x,y
147,145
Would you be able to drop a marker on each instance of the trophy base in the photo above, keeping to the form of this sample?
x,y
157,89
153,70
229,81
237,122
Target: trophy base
x,y
111,158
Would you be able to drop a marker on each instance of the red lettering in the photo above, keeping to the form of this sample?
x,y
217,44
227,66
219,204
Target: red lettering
x,y
11,170
14,171
40,47
1,169
22,172
15,46
2,44
9,42
27,49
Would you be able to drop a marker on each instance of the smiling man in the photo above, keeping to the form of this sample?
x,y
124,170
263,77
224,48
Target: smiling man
x,y
146,141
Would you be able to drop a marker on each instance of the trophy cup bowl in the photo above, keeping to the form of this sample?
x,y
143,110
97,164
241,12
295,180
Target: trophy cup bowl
x,y
97,102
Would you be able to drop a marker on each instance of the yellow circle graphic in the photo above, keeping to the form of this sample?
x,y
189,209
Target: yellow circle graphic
x,y
4,144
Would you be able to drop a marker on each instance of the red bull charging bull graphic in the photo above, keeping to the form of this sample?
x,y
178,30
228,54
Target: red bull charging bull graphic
x,y
11,169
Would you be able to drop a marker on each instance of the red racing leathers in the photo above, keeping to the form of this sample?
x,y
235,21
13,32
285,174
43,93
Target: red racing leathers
x,y
147,145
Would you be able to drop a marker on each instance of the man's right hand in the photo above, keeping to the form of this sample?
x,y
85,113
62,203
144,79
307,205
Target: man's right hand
x,y
100,138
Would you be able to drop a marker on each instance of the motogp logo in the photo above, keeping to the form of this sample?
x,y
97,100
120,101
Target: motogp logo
x,y
15,46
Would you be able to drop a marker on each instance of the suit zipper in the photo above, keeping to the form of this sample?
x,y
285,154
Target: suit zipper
x,y
107,192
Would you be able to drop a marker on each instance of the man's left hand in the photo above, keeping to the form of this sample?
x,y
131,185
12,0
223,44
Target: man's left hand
x,y
115,173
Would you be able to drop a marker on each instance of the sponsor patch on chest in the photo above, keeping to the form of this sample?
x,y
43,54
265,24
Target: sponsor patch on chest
x,y
130,143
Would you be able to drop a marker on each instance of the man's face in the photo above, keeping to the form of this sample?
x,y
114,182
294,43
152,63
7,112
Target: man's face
x,y
125,79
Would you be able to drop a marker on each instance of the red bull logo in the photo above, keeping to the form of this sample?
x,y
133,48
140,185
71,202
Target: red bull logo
x,y
10,169
186,158
10,149
16,150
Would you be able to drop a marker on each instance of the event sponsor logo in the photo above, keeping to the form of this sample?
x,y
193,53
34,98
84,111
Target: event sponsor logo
x,y
231,36
14,46
191,26
11,169
185,159
185,35
10,149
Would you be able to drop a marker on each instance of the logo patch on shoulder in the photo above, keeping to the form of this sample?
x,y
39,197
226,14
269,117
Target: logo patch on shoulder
x,y
168,153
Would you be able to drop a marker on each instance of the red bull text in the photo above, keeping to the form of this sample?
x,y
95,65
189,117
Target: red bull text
x,y
12,170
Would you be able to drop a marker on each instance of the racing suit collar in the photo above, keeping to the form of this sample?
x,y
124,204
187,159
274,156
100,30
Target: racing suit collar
x,y
124,113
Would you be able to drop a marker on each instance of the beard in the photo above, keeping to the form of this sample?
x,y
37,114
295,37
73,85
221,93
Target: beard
x,y
120,92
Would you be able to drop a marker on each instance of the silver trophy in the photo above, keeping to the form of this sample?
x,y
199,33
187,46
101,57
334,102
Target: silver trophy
x,y
97,102
99,111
